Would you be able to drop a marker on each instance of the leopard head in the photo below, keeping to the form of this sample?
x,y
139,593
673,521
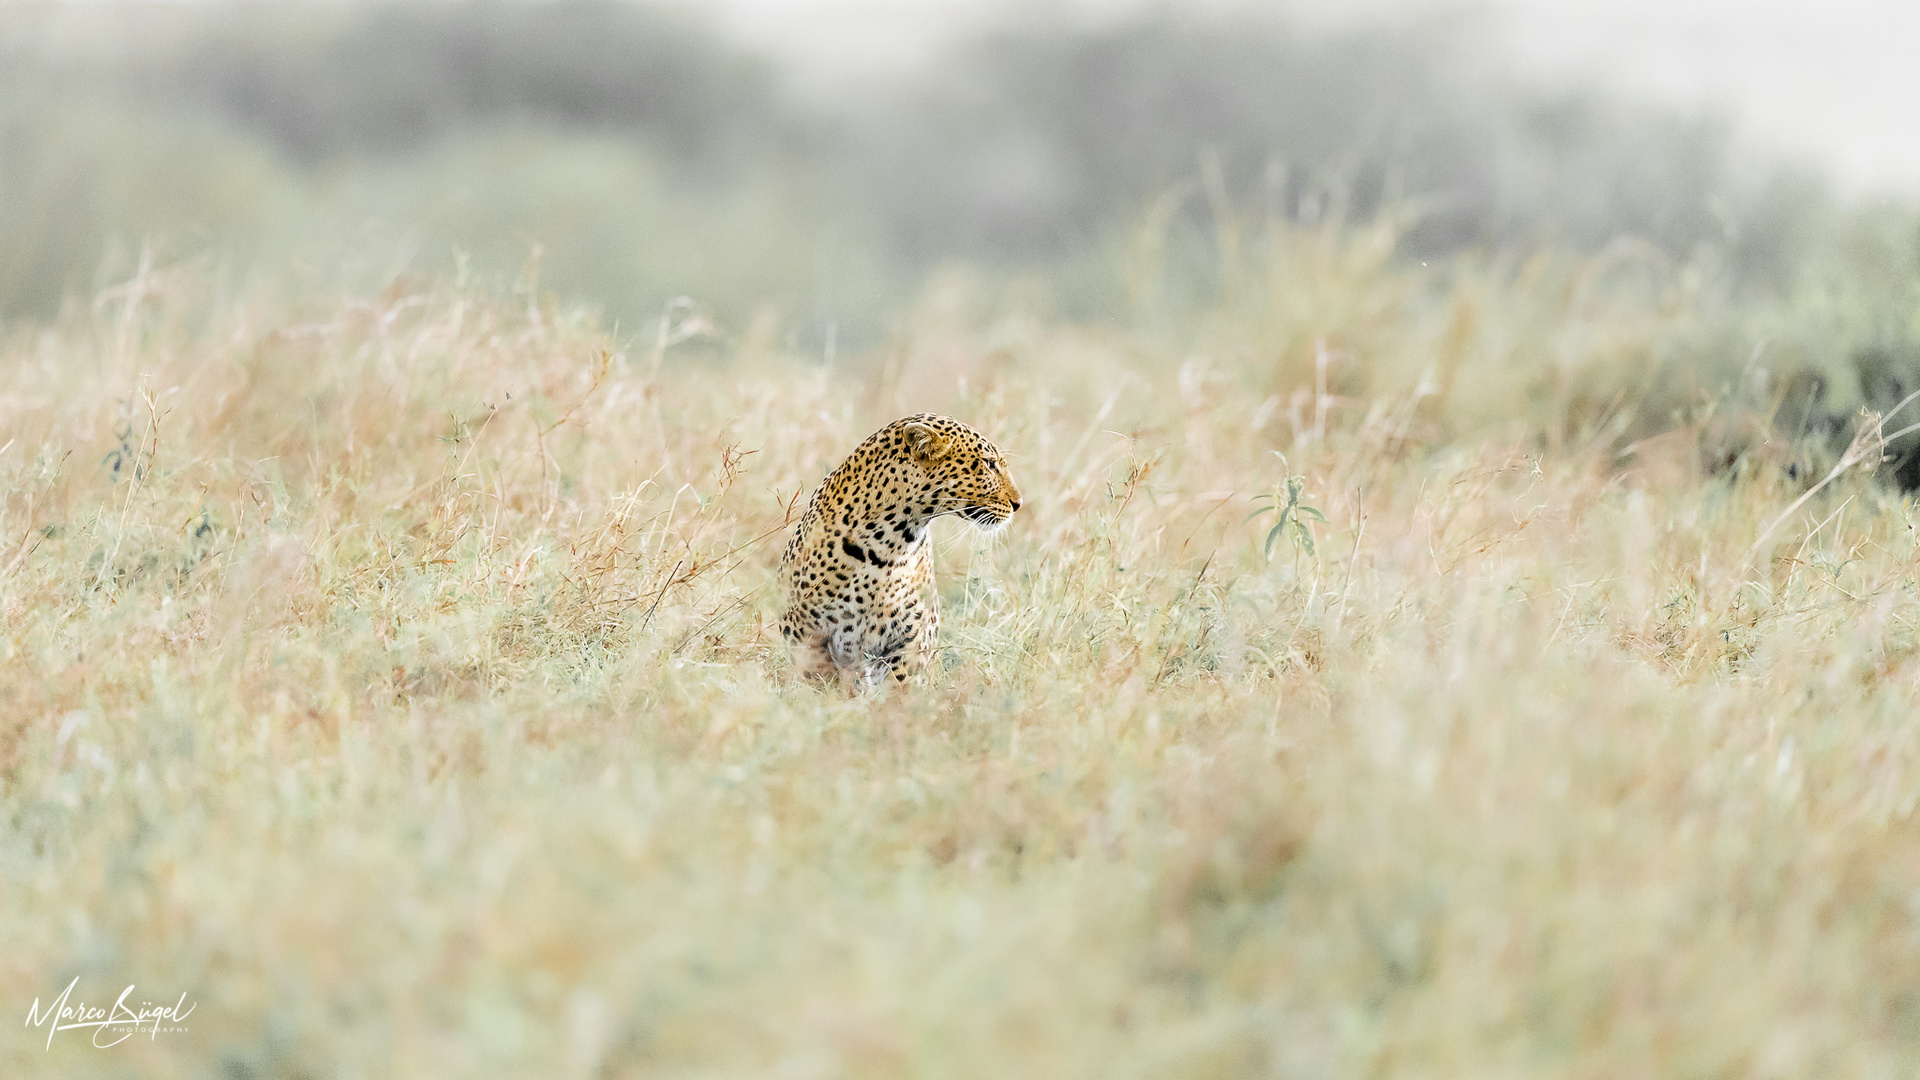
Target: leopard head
x,y
968,474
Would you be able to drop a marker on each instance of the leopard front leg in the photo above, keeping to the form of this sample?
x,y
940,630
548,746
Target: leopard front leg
x,y
808,641
920,637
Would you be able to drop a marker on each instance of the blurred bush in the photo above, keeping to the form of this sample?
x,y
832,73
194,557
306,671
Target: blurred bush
x,y
85,178
634,154
326,81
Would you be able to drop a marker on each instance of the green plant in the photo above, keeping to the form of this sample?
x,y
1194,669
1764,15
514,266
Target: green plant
x,y
1293,514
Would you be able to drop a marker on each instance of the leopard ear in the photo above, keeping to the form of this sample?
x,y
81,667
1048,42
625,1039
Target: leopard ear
x,y
925,444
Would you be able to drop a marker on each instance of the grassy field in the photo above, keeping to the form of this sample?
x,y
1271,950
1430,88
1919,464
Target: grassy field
x,y
396,681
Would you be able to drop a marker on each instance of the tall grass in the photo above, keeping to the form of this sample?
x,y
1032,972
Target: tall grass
x,y
396,682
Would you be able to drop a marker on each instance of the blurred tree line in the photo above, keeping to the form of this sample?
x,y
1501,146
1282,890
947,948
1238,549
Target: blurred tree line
x,y
629,153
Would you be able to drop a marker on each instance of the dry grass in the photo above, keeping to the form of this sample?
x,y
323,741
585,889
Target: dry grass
x,y
398,685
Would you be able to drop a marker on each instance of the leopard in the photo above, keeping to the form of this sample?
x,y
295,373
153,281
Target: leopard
x,y
858,570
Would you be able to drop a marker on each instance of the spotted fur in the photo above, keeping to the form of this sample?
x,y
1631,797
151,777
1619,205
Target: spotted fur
x,y
858,571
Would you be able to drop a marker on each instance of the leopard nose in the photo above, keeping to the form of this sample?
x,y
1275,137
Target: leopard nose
x,y
1016,504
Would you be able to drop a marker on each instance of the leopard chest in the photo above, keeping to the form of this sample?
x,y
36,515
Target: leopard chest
x,y
849,575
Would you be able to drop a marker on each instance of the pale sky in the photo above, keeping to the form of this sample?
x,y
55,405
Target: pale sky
x,y
1834,81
